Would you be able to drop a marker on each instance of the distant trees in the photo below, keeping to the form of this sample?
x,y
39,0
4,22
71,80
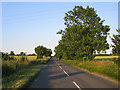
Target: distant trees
x,y
22,54
12,53
11,57
116,43
42,51
31,54
84,34
5,56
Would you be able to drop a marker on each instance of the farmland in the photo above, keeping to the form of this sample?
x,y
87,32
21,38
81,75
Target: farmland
x,y
28,57
105,57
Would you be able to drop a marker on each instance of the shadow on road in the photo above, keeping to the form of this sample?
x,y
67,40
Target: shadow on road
x,y
51,73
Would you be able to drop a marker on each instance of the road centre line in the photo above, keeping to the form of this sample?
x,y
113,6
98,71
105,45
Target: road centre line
x,y
63,70
65,73
60,67
68,76
77,85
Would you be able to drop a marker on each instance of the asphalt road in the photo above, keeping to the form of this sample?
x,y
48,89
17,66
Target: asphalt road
x,y
57,74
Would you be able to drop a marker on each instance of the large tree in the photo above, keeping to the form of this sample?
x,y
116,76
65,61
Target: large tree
x,y
84,33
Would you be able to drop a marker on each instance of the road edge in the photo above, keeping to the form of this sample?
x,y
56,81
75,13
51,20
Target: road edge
x,y
97,74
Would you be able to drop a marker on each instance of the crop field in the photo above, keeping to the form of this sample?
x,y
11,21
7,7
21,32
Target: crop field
x,y
105,57
31,58
28,57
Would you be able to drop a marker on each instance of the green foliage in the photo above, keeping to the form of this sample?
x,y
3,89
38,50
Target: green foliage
x,y
117,61
31,54
84,34
12,53
116,42
42,51
5,56
13,66
22,54
39,61
22,78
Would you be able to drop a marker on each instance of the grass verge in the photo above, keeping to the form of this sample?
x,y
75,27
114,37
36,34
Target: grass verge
x,y
107,68
22,78
20,73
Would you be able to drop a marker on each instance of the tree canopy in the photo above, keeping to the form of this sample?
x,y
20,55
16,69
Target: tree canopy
x,y
84,34
12,53
42,51
116,43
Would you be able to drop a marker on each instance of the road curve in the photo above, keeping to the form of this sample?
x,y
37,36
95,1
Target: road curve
x,y
57,74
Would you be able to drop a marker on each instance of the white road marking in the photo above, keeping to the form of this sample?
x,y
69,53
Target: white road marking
x,y
65,73
76,85
60,67
63,70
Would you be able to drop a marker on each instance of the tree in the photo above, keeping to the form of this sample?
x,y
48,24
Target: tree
x,y
48,52
116,42
31,54
84,34
5,56
22,54
42,51
12,53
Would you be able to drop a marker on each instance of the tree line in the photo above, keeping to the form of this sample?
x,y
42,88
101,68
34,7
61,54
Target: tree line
x,y
39,50
84,35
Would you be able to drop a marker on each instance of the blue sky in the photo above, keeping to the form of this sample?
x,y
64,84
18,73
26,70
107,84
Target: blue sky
x,y
27,25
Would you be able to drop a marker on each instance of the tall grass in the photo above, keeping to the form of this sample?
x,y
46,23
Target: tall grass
x,y
107,67
19,72
22,78
13,66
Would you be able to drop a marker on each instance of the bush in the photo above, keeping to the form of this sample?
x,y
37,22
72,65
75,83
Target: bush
x,y
5,56
117,61
13,66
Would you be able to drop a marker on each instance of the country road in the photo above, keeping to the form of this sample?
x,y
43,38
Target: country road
x,y
57,74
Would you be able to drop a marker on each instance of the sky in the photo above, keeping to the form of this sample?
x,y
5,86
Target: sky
x,y
25,25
